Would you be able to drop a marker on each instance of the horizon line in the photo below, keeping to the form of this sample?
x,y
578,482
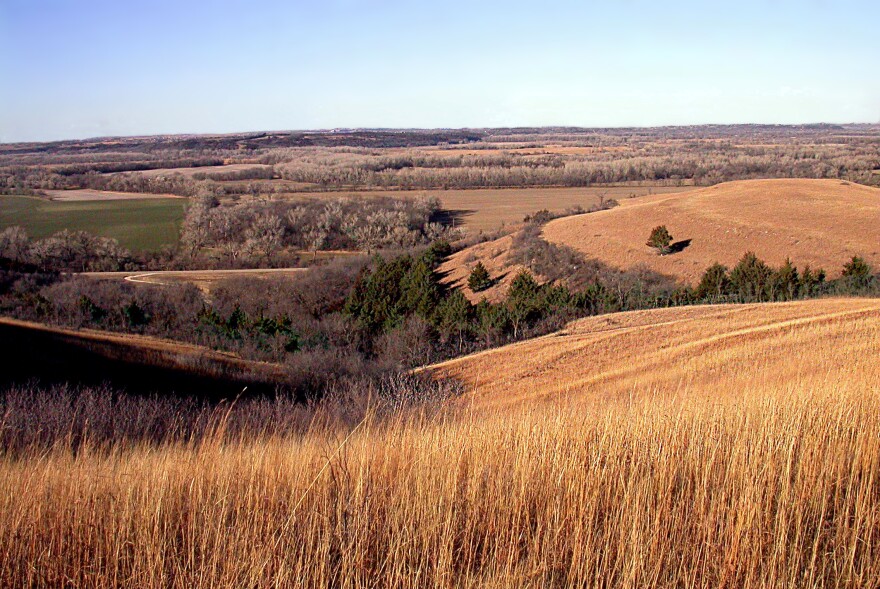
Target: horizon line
x,y
343,129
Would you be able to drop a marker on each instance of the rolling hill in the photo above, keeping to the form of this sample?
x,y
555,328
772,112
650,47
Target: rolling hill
x,y
695,351
822,223
139,363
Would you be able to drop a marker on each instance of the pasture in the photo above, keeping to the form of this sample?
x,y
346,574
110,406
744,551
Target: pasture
x,y
478,210
138,224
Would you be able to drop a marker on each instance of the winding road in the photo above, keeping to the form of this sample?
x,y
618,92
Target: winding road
x,y
201,278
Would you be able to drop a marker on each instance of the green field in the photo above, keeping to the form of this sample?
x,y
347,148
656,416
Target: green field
x,y
141,224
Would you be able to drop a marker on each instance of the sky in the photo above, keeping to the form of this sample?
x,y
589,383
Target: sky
x,y
86,68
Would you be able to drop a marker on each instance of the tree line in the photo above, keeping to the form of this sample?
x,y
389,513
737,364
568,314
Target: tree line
x,y
377,315
494,158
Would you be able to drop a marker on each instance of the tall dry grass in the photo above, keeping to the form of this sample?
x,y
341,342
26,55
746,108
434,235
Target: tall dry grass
x,y
751,460
774,486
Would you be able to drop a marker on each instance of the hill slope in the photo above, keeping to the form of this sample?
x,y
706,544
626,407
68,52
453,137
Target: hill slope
x,y
697,350
818,222
138,363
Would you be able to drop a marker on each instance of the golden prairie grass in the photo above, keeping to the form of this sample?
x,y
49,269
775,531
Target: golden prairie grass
x,y
776,484
818,222
703,346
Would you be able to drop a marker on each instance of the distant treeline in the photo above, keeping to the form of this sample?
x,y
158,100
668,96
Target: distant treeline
x,y
492,158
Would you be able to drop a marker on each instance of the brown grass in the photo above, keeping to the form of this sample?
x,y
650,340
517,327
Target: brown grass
x,y
204,280
818,222
701,346
756,477
495,255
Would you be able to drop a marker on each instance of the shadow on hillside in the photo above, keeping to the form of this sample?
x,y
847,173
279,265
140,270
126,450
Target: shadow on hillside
x,y
679,246
32,355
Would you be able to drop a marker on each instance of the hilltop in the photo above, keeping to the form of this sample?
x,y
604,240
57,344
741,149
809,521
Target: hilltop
x,y
822,223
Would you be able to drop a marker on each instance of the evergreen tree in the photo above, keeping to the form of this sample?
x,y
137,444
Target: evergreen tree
x,y
491,320
479,278
454,315
597,299
811,282
523,300
436,253
660,239
785,283
376,300
134,315
714,284
750,278
421,291
857,274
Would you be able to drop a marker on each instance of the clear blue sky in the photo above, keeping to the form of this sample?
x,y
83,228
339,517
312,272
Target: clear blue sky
x,y
85,68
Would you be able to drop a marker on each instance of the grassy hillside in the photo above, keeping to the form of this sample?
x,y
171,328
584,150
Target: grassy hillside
x,y
138,224
818,222
749,460
706,348
135,362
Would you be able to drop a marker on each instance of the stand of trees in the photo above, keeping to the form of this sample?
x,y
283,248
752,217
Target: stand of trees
x,y
72,251
256,231
366,316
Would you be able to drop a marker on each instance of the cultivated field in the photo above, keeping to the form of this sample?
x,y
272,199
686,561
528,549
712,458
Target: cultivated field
x,y
191,171
100,195
822,223
734,447
491,209
141,224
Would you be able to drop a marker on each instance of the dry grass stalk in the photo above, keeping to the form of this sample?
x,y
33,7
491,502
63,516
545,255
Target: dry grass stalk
x,y
665,484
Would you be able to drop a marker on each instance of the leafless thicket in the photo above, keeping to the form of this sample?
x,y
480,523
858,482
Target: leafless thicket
x,y
474,159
